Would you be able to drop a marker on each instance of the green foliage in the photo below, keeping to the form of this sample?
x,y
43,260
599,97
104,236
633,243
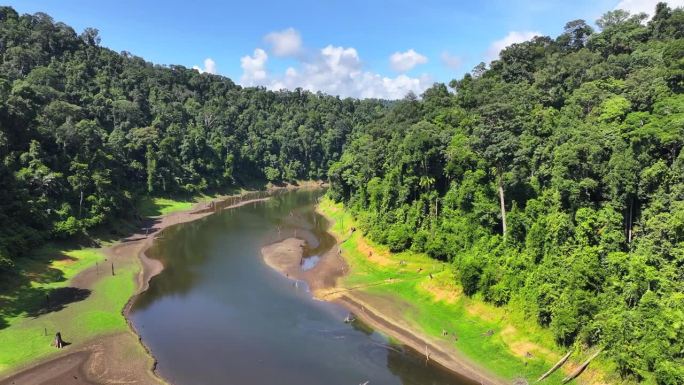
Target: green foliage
x,y
470,274
86,132
581,138
552,179
151,207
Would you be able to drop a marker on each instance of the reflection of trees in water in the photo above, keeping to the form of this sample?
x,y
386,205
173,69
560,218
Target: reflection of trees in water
x,y
183,247
179,248
408,365
413,370
295,213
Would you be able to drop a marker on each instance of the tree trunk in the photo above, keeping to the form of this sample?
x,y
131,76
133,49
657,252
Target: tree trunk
x,y
502,201
631,212
80,205
436,206
581,368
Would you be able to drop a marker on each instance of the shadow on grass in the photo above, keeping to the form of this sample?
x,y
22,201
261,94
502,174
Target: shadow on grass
x,y
57,299
22,291
19,294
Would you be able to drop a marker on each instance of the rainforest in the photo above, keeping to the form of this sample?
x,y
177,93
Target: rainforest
x,y
548,182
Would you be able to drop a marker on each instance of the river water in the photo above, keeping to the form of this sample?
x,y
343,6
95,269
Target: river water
x,y
218,315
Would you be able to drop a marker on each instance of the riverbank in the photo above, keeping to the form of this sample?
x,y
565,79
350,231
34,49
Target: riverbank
x,y
111,352
416,298
286,256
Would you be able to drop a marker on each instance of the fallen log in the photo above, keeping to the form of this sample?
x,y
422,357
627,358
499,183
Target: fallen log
x,y
581,368
555,367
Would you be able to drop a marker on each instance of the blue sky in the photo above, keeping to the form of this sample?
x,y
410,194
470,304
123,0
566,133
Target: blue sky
x,y
353,48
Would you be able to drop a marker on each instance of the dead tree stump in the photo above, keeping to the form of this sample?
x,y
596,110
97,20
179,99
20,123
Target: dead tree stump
x,y
58,343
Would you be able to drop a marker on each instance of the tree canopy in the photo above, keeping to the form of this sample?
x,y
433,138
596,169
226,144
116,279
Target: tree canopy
x,y
553,181
552,178
85,131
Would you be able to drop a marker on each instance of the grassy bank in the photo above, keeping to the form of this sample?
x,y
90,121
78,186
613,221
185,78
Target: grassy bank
x,y
155,206
39,299
428,299
27,315
53,290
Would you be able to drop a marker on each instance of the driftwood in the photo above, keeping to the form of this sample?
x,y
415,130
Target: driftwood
x,y
581,368
556,366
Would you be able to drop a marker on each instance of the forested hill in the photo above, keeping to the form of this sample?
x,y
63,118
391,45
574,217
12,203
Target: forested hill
x,y
554,181
553,178
84,131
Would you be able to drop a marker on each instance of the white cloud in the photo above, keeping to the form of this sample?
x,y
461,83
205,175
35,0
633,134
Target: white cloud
x,y
405,61
333,70
254,68
209,66
513,37
645,6
451,61
287,42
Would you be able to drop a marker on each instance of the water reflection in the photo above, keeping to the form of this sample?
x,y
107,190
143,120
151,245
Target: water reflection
x,y
218,315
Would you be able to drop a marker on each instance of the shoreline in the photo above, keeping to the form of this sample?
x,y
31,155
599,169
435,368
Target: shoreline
x,y
284,257
91,362
150,268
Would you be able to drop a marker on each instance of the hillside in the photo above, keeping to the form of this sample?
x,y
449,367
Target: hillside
x,y
551,178
554,181
85,132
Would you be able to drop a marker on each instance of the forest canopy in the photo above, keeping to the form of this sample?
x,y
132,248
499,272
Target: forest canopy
x,y
551,178
85,132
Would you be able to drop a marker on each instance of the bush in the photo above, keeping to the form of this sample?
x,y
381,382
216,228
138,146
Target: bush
x,y
399,237
67,228
470,277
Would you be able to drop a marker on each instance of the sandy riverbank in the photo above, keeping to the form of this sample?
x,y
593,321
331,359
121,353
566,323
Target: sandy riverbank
x,y
286,256
120,357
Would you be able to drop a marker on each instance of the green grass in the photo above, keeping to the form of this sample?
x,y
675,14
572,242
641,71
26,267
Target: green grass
x,y
24,312
23,338
431,316
152,207
155,206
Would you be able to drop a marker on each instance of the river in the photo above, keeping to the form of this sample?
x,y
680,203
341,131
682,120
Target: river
x,y
218,315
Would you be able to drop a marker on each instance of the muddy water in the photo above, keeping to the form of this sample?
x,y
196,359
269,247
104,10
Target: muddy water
x,y
219,315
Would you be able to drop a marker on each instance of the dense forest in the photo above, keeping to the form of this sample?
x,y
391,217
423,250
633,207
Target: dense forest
x,y
554,181
552,178
85,132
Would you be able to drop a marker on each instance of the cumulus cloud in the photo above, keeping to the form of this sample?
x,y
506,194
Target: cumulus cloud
x,y
287,42
513,37
333,70
645,6
451,61
209,66
254,68
405,61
